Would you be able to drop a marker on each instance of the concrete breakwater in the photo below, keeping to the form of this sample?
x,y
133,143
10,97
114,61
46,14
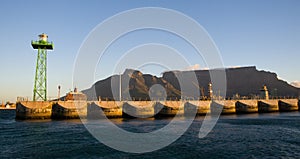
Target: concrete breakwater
x,y
102,109
69,109
33,110
146,109
140,109
246,106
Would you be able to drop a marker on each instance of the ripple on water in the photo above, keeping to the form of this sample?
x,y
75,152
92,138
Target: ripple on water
x,y
253,136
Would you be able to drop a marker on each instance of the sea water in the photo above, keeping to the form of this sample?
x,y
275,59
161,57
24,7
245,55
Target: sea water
x,y
271,135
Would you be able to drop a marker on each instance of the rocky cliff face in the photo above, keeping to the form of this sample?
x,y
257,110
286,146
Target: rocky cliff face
x,y
245,81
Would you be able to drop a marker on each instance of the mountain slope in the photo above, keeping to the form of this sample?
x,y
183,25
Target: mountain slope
x,y
245,81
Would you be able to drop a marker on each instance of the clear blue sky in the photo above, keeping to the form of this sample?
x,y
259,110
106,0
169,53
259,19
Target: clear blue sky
x,y
250,32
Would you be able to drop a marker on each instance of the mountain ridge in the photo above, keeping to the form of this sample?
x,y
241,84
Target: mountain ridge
x,y
242,81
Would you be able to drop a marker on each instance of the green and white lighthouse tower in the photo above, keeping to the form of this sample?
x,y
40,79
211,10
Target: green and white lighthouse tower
x,y
40,80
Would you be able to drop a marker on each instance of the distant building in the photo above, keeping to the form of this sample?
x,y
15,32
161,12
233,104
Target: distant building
x,y
75,96
264,93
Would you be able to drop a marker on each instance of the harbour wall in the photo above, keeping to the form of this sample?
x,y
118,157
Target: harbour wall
x,y
33,110
146,109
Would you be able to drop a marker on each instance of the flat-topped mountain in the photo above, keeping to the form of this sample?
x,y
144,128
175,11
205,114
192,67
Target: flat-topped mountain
x,y
244,81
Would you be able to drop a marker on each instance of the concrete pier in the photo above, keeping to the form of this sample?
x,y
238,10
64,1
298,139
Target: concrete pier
x,y
246,106
286,105
146,109
267,106
200,107
138,109
69,110
169,108
100,109
33,110
228,106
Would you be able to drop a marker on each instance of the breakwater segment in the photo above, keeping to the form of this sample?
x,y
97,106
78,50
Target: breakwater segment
x,y
102,109
286,105
34,110
268,106
139,109
246,106
69,110
146,109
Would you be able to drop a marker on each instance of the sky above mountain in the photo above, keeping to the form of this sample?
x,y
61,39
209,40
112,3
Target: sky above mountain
x,y
265,34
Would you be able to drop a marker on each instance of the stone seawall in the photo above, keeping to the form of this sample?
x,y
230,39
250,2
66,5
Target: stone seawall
x,y
286,105
201,107
169,109
268,106
33,110
246,106
147,109
69,110
138,109
228,106
104,109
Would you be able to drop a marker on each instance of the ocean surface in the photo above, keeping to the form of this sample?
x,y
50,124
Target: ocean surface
x,y
275,135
